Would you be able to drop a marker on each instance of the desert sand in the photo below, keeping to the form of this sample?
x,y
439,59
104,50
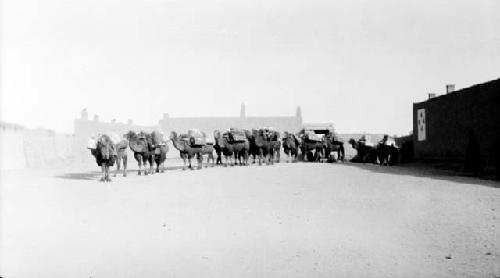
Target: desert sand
x,y
286,220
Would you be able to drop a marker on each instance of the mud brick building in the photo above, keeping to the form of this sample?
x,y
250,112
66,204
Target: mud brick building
x,y
85,127
441,125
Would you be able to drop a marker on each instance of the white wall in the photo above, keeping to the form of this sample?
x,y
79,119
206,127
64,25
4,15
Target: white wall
x,y
12,155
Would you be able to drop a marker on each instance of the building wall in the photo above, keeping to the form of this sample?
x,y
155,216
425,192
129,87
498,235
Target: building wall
x,y
36,148
209,124
85,128
12,155
450,117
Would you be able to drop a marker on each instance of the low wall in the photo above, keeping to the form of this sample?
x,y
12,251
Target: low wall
x,y
24,148
12,155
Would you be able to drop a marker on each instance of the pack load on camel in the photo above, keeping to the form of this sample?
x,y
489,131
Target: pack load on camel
x,y
236,135
104,152
271,133
101,139
138,143
197,137
311,136
115,138
92,143
158,138
312,141
366,141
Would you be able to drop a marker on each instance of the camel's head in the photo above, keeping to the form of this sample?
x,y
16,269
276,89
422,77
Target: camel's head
x,y
142,135
286,136
248,133
130,135
105,146
352,142
149,138
216,134
173,135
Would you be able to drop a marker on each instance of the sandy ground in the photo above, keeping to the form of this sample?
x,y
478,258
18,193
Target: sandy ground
x,y
286,220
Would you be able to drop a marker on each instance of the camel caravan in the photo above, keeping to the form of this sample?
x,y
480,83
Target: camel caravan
x,y
232,147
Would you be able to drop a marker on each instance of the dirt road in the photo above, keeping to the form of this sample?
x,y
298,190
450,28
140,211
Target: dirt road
x,y
287,220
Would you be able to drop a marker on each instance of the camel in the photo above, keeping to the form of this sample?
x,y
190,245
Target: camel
x,y
254,150
365,152
330,144
159,150
208,150
105,155
311,148
230,147
121,156
387,152
274,139
143,151
290,146
261,146
188,151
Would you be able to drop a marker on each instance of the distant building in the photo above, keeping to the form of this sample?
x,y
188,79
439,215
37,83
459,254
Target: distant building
x,y
209,124
12,146
84,128
441,125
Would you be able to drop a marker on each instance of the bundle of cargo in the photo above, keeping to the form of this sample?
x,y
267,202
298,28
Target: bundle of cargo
x,y
138,143
92,143
111,149
367,142
115,138
184,137
237,135
157,138
197,137
111,136
106,148
310,135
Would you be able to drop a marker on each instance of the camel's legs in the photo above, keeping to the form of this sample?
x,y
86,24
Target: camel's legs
x,y
118,162
124,165
145,162
184,160
199,157
151,164
245,158
139,161
102,173
236,158
106,175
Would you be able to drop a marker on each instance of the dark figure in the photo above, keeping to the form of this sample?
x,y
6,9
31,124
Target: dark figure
x,y
105,155
473,156
218,151
407,152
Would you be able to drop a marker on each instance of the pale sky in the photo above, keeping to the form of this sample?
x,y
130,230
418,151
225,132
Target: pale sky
x,y
357,64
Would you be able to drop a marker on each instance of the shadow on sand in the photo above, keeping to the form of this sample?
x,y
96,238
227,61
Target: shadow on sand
x,y
96,175
429,171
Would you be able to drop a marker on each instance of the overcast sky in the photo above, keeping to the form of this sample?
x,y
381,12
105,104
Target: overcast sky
x,y
357,64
